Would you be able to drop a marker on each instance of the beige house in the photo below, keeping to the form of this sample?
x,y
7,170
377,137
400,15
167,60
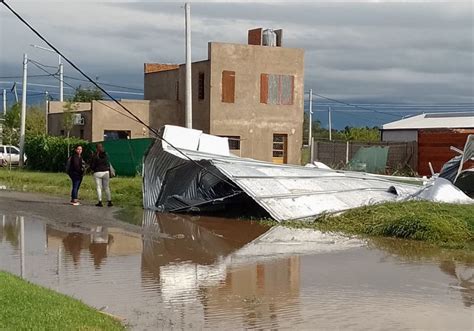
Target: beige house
x,y
105,120
250,93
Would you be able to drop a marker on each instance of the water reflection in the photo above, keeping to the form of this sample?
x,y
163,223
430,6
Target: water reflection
x,y
457,264
97,241
180,271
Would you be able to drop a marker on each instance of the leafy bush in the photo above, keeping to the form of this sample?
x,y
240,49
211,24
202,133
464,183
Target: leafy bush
x,y
49,153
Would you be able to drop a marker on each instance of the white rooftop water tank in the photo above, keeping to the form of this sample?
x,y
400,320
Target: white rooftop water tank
x,y
269,38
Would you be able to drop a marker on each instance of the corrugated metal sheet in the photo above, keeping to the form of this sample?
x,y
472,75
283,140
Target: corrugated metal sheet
x,y
286,192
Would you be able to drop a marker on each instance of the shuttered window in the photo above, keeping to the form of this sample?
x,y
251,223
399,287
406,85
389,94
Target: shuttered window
x,y
201,86
276,89
228,86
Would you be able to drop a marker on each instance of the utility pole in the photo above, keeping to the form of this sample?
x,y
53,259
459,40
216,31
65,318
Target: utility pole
x,y
4,102
330,123
16,92
23,111
46,111
61,81
189,99
310,133
60,69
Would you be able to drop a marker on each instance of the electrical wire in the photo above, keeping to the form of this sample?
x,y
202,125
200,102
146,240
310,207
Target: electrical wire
x,y
13,77
43,65
355,106
116,110
105,84
109,95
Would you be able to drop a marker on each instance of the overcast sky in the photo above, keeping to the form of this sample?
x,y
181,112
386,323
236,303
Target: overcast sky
x,y
373,51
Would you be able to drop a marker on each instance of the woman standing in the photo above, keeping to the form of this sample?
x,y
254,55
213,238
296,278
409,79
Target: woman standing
x,y
76,168
101,167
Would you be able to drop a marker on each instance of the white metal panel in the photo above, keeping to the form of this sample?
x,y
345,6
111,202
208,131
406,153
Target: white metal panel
x,y
214,144
181,137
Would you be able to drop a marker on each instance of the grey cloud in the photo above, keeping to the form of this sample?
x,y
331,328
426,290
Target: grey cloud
x,y
391,52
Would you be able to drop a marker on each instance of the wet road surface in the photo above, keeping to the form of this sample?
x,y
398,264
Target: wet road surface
x,y
182,272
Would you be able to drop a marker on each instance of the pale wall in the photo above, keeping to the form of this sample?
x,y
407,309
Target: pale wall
x,y
161,85
107,115
254,122
200,108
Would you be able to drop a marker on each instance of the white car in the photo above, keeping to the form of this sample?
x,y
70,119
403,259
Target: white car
x,y
9,155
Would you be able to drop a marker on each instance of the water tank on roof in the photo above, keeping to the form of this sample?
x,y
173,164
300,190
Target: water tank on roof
x,y
269,38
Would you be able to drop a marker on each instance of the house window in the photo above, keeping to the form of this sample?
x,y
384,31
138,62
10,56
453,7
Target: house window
x,y
62,132
116,134
201,86
276,89
81,134
228,86
234,142
177,91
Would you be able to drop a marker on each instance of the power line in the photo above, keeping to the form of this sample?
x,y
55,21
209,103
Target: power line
x,y
43,65
111,97
106,84
116,110
14,77
355,106
83,80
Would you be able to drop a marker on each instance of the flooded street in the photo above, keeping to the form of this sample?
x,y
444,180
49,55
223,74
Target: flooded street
x,y
187,272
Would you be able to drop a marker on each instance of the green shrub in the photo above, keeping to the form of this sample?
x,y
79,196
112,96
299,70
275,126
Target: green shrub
x,y
49,153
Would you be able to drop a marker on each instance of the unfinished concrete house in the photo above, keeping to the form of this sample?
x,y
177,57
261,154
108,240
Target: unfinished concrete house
x,y
251,93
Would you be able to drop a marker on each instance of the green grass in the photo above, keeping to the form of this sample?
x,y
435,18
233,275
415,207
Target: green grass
x,y
305,155
25,306
126,191
443,225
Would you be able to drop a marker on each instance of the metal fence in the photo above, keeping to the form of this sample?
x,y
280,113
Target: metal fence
x,y
126,155
337,154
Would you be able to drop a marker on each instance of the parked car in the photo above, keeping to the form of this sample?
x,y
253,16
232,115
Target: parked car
x,y
10,155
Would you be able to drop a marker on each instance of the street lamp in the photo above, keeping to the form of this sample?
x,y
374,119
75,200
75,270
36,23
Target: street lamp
x,y
61,78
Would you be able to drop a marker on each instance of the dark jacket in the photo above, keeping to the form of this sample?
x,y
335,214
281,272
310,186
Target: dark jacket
x,y
100,162
77,166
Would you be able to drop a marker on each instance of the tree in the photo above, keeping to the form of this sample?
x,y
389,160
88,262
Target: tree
x,y
68,119
87,95
11,125
35,121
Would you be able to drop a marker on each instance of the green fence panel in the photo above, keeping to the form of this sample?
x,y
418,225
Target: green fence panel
x,y
126,155
370,159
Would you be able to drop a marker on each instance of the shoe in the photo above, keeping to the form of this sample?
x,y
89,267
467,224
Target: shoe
x,y
109,204
99,204
75,203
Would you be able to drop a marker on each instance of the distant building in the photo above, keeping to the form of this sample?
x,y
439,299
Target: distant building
x,y
105,120
251,93
435,134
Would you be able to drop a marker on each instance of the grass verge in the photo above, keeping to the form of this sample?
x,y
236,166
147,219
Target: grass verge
x,y
29,307
126,191
440,224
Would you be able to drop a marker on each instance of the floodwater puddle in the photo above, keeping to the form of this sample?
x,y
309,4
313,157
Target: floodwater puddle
x,y
190,272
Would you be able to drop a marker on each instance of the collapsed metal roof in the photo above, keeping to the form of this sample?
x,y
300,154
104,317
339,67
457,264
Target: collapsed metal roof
x,y
286,192
176,179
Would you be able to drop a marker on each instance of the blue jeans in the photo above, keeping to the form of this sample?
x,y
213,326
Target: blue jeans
x,y
76,183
